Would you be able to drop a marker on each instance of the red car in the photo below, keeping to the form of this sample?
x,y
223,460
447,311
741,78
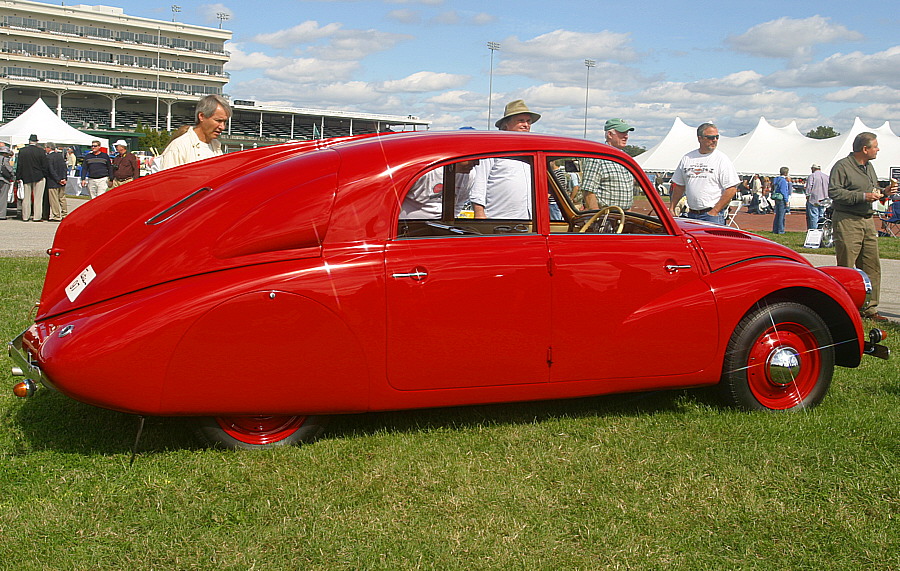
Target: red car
x,y
266,289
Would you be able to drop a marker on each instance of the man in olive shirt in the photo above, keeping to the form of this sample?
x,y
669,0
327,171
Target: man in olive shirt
x,y
853,187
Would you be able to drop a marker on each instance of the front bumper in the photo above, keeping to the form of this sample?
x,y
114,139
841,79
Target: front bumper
x,y
871,347
24,363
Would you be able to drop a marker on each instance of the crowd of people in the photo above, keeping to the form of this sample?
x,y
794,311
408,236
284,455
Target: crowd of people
x,y
33,179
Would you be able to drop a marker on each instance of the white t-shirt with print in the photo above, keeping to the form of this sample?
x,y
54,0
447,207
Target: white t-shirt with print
x,y
704,177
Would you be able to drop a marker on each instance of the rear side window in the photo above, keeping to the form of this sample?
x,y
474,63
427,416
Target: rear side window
x,y
485,196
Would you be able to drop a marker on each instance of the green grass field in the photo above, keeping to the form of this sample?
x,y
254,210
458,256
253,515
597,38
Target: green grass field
x,y
645,481
888,248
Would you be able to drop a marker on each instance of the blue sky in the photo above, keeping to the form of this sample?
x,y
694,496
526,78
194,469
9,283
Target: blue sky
x,y
816,63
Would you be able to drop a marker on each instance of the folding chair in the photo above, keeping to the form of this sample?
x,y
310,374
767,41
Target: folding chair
x,y
733,208
890,221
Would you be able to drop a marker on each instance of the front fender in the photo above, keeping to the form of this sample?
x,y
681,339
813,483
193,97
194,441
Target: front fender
x,y
738,290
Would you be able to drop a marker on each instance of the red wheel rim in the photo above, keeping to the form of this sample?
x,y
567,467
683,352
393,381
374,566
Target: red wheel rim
x,y
260,430
770,391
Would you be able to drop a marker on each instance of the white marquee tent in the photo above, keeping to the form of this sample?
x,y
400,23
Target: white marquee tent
x,y
43,122
766,149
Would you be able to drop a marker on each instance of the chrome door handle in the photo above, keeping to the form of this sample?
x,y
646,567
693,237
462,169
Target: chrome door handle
x,y
418,274
671,268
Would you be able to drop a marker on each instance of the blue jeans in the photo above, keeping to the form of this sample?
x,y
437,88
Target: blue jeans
x,y
718,219
813,214
778,223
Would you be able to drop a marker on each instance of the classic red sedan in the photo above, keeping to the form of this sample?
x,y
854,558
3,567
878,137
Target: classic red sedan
x,y
267,289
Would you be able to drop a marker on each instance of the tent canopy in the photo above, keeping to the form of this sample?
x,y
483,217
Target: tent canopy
x,y
766,149
44,123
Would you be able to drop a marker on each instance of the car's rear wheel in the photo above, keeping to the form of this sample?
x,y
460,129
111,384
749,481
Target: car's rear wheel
x,y
780,357
260,431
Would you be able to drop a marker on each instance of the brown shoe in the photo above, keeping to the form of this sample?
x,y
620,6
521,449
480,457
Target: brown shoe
x,y
876,317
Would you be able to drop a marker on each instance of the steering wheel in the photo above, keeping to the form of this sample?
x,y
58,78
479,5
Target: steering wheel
x,y
605,211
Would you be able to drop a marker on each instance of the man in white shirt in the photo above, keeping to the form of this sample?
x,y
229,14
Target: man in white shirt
x,y
502,186
706,178
201,141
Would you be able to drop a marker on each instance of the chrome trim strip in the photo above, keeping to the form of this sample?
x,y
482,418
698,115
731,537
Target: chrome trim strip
x,y
162,216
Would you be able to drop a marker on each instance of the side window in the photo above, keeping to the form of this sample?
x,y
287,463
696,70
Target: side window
x,y
598,195
424,201
502,188
483,196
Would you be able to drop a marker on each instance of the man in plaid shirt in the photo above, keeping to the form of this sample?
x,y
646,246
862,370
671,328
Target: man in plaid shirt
x,y
604,181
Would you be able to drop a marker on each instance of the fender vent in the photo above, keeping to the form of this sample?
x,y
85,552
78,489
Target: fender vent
x,y
728,233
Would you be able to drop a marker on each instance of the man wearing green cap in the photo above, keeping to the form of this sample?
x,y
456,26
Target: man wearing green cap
x,y
606,182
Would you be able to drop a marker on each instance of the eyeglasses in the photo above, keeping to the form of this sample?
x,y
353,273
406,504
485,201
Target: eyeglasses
x,y
711,137
95,145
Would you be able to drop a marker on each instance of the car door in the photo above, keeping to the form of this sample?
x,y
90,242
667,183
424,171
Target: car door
x,y
468,301
626,303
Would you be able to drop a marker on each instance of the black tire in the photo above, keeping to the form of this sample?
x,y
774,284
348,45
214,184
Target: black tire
x,y
780,357
258,432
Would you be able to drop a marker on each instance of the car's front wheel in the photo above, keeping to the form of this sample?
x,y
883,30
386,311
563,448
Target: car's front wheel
x,y
259,432
780,357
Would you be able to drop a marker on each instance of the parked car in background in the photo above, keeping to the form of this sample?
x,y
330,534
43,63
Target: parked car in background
x,y
798,197
263,291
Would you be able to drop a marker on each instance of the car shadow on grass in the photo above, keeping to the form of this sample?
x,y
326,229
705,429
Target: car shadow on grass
x,y
52,421
532,412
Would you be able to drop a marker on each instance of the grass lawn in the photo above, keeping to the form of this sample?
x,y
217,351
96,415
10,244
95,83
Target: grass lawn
x,y
888,248
648,481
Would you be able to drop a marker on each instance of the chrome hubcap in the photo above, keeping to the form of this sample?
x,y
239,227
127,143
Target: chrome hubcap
x,y
783,366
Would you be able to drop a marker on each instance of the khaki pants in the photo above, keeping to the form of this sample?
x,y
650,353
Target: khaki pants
x,y
58,207
116,182
97,186
856,246
34,196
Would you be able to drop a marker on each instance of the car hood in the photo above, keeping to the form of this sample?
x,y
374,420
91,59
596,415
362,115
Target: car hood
x,y
239,209
724,246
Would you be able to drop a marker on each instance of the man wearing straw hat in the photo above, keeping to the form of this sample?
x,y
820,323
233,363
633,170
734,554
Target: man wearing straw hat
x,y
502,187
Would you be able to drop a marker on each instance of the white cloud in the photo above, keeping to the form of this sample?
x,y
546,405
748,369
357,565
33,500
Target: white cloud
x,y
838,70
448,18
405,16
740,83
565,45
424,81
240,60
458,99
310,70
483,19
357,44
865,94
790,38
209,13
306,32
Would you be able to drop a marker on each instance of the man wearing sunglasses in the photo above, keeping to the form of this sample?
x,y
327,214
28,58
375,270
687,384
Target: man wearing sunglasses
x,y
96,170
706,178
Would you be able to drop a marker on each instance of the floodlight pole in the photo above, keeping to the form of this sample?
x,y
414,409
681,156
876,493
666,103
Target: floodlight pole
x,y
175,10
588,63
222,16
491,46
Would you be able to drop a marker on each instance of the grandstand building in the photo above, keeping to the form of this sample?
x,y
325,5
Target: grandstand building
x,y
105,73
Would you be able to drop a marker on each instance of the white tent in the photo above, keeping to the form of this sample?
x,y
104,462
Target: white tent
x,y
44,123
766,149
